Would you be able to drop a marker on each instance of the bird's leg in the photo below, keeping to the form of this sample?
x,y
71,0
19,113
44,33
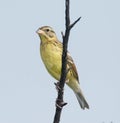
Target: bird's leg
x,y
66,81
59,103
57,86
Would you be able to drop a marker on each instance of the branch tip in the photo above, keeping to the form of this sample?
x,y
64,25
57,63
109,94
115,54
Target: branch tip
x,y
71,26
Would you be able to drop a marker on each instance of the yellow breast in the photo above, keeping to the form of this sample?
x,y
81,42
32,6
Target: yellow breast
x,y
51,56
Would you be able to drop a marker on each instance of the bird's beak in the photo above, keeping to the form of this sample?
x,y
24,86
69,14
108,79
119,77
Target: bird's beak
x,y
39,31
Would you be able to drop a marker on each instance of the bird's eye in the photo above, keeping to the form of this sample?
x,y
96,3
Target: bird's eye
x,y
47,30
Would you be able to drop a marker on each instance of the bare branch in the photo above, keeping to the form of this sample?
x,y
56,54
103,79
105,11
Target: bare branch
x,y
59,101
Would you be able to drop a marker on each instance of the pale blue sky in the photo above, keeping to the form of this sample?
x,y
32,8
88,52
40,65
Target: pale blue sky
x,y
27,92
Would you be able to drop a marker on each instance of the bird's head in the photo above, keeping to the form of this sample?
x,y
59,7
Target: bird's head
x,y
46,33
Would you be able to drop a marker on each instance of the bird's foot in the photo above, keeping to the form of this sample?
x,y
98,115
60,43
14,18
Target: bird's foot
x,y
57,84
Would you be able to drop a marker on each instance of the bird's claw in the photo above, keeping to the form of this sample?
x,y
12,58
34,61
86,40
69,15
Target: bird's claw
x,y
57,86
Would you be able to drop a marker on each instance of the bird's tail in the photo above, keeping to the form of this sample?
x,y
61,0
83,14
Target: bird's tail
x,y
83,103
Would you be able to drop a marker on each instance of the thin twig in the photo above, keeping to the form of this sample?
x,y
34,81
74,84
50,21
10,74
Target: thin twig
x,y
75,22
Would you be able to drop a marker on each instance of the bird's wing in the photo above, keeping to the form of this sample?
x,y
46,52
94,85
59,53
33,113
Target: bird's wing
x,y
72,66
70,62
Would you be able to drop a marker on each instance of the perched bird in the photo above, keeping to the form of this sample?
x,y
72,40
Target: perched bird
x,y
51,54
